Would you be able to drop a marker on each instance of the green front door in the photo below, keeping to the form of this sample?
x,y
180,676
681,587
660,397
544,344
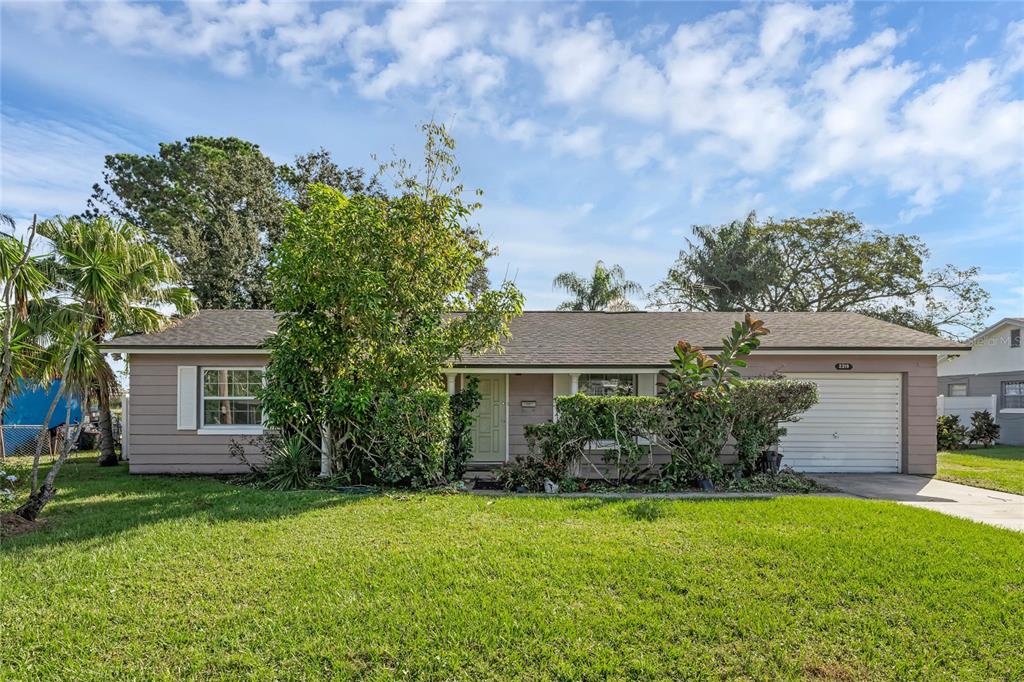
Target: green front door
x,y
489,431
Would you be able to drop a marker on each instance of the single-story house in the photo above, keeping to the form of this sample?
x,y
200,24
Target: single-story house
x,y
192,385
989,377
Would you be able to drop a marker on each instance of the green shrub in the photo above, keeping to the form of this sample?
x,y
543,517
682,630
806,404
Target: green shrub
x,y
626,426
288,463
759,406
405,438
984,429
553,451
463,405
697,395
951,434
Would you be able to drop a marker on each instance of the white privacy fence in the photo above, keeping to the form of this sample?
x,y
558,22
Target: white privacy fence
x,y
965,406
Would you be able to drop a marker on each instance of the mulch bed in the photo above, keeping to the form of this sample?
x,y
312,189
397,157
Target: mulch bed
x,y
12,524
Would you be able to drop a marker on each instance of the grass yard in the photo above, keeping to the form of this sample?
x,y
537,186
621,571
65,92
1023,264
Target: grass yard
x,y
997,468
163,577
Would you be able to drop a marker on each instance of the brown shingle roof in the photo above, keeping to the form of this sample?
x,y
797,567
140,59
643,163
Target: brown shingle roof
x,y
208,329
585,339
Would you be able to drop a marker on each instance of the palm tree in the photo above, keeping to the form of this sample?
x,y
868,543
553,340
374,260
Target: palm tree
x,y
74,357
121,283
606,289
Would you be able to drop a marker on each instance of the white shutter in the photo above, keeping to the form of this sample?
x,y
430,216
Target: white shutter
x,y
188,387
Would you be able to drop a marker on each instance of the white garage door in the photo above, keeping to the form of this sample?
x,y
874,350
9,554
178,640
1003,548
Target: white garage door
x,y
854,427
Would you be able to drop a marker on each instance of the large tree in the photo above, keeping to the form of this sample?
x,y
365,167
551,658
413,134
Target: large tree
x,y
826,262
372,292
606,289
118,282
319,167
213,203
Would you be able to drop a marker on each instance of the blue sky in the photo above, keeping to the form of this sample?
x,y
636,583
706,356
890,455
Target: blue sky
x,y
595,130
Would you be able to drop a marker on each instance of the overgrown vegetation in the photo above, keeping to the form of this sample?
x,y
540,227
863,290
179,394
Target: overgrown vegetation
x,y
374,302
698,402
704,402
759,407
463,406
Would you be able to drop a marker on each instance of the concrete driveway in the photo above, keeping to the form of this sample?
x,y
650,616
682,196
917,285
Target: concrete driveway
x,y
995,508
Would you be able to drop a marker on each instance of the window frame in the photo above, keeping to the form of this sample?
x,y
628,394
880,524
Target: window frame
x,y
227,429
949,390
1003,395
635,380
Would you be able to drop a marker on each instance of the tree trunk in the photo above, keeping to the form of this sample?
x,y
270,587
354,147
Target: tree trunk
x,y
36,501
33,506
108,458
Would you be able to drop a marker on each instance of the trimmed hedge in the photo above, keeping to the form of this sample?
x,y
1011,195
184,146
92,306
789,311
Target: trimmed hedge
x,y
759,406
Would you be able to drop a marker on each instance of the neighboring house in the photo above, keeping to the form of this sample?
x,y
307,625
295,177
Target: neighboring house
x,y
193,385
993,367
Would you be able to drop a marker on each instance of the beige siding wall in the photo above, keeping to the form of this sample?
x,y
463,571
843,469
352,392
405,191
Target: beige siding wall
x,y
919,390
918,418
156,444
535,387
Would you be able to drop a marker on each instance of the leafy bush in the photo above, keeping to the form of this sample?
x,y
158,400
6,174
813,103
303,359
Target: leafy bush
x,y
405,439
288,463
625,426
553,451
698,402
463,405
758,406
984,429
951,434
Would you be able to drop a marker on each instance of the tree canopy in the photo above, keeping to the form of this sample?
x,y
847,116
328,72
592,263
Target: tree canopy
x,y
112,280
212,202
827,262
606,289
373,295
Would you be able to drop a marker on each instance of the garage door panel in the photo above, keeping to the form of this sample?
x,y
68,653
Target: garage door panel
x,y
855,427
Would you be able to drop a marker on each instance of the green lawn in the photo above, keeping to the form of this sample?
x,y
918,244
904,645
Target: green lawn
x,y
163,577
997,468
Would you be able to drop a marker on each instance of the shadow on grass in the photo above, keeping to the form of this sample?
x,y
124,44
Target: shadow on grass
x,y
652,509
93,503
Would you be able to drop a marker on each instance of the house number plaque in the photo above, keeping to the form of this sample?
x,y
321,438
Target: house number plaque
x,y
844,365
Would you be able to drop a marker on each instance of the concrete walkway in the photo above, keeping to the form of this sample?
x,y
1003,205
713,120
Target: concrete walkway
x,y
995,508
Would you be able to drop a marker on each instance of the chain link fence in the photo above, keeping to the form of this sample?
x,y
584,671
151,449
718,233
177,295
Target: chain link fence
x,y
19,440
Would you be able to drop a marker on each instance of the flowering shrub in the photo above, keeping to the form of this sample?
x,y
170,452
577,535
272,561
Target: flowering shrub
x,y
698,400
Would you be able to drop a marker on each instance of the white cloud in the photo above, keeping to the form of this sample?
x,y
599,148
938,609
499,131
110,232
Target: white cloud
x,y
584,142
634,156
757,90
786,25
49,166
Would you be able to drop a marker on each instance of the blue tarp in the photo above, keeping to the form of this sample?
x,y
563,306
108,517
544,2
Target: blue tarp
x,y
30,404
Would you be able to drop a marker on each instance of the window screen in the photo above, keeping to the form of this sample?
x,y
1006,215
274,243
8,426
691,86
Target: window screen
x,y
229,397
